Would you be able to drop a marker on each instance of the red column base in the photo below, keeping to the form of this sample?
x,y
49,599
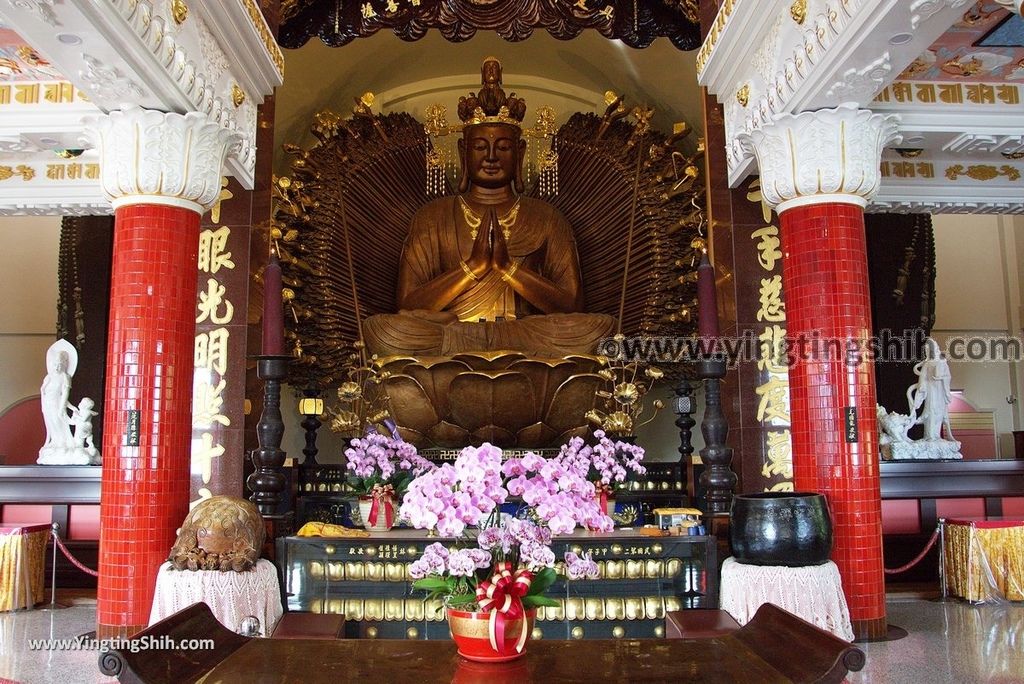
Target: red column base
x,y
870,630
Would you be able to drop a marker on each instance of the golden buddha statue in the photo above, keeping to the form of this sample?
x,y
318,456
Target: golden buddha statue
x,y
489,269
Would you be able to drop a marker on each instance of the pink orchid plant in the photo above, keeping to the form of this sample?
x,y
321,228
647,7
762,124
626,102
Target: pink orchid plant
x,y
375,461
508,554
609,461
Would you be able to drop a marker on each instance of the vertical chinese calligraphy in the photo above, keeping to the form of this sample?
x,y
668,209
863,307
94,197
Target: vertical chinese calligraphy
x,y
214,312
773,390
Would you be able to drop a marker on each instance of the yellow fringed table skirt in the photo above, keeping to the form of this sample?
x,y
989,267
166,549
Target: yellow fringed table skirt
x,y
984,559
22,565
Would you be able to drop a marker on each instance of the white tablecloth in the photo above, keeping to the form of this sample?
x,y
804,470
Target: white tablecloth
x,y
814,593
232,596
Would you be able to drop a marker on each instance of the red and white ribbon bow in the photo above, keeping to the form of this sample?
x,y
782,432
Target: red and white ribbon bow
x,y
383,498
502,597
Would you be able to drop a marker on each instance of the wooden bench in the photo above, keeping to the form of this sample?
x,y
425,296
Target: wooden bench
x,y
762,651
775,635
698,623
174,664
310,626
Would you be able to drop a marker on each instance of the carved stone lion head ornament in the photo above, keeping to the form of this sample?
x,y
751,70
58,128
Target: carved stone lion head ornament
x,y
221,533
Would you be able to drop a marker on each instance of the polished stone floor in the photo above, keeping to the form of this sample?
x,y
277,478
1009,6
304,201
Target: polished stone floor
x,y
948,641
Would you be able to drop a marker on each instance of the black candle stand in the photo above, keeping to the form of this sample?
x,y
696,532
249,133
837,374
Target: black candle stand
x,y
718,479
267,482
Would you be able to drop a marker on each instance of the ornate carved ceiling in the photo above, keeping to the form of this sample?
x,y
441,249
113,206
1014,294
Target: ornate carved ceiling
x,y
636,23
60,61
960,100
985,45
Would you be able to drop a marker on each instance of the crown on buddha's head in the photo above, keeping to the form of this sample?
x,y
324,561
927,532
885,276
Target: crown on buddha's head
x,y
490,104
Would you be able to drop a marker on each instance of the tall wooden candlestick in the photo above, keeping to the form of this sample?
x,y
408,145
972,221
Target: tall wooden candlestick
x,y
718,479
273,309
267,482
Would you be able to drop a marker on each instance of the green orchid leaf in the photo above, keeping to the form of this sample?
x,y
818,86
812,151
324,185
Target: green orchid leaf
x,y
534,601
541,581
432,584
461,599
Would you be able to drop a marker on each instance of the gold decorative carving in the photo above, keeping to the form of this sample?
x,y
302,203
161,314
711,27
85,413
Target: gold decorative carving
x,y
27,173
237,95
798,11
394,609
373,609
414,610
634,608
1013,155
618,631
260,24
179,10
982,172
909,153
743,95
577,632
721,21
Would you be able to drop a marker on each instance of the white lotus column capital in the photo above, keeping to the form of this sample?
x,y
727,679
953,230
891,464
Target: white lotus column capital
x,y
151,157
828,155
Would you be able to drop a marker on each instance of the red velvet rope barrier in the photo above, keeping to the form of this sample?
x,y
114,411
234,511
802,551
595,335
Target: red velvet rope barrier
x,y
917,559
74,561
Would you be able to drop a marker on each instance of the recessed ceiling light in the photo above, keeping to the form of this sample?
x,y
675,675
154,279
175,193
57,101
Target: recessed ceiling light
x,y
901,39
69,39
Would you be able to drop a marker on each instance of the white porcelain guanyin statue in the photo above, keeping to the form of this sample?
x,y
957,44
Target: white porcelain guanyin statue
x,y
928,402
64,446
931,393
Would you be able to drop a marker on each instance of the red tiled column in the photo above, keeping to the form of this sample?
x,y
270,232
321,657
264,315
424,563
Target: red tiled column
x,y
161,171
825,277
818,169
149,394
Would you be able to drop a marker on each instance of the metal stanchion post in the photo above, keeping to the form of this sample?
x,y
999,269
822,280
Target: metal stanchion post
x,y
942,558
53,605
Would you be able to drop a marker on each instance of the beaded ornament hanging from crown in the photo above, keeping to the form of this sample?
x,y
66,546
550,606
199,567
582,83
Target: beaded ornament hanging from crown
x,y
491,105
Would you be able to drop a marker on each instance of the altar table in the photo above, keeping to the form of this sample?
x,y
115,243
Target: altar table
x,y
232,596
22,565
983,560
367,580
814,593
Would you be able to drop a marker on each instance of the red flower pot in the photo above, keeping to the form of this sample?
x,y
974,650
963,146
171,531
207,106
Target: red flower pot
x,y
471,632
